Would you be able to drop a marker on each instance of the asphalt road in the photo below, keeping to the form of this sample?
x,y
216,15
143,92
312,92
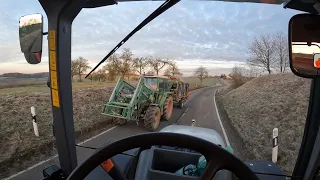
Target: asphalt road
x,y
200,106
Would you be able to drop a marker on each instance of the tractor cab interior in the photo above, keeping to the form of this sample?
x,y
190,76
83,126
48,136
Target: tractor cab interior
x,y
148,160
151,82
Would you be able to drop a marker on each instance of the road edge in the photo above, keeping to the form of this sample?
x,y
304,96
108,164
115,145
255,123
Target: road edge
x,y
238,144
221,124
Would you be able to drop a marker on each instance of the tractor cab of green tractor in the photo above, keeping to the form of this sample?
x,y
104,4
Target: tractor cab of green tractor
x,y
158,83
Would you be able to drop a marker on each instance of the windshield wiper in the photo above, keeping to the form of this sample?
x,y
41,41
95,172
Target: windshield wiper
x,y
165,6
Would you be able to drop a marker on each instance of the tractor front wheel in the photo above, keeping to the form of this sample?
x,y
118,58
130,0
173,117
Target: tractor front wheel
x,y
167,108
119,121
152,118
181,103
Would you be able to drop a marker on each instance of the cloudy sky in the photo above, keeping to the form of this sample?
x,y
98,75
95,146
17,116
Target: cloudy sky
x,y
213,34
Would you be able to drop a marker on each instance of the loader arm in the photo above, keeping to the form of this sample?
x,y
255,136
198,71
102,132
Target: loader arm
x,y
127,101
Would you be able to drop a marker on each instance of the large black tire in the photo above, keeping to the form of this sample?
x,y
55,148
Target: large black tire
x,y
167,109
119,121
152,118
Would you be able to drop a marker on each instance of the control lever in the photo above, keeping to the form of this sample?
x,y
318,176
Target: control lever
x,y
53,173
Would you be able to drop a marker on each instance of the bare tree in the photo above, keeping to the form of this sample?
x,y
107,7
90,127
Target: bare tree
x,y
167,73
238,76
262,52
140,63
91,77
253,71
157,64
101,75
201,73
150,73
81,65
125,64
281,44
172,70
74,65
111,67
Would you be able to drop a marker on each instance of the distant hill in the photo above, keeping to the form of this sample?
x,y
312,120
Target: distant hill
x,y
22,75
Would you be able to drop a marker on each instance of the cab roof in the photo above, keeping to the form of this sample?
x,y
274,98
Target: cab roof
x,y
100,3
301,5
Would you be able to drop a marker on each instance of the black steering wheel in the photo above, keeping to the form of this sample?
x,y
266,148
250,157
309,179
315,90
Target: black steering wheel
x,y
217,158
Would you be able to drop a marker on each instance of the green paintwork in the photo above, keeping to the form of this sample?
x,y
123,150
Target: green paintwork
x,y
129,102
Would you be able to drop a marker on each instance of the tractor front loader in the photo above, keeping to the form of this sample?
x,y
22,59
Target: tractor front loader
x,y
150,101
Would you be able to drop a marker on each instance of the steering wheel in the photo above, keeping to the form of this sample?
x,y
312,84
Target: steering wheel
x,y
217,158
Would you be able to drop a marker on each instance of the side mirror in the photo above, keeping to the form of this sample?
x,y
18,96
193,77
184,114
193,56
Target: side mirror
x,y
304,45
30,36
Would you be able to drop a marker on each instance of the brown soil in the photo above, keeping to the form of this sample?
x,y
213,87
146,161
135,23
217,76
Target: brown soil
x,y
18,142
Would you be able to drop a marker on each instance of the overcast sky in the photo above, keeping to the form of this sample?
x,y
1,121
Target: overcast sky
x,y
213,34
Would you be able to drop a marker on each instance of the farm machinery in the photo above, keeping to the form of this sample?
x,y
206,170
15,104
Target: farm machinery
x,y
180,92
151,100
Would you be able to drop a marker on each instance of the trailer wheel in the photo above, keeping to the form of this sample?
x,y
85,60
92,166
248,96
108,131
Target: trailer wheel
x,y
152,118
167,108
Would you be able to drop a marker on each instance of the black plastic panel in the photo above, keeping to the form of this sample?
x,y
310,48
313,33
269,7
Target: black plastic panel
x,y
160,163
263,166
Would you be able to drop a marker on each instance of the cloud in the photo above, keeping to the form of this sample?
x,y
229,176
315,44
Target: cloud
x,y
216,31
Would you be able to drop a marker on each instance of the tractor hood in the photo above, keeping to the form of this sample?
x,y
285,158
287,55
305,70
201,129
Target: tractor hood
x,y
203,133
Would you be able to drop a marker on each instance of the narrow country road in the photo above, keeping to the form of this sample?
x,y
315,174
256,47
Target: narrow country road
x,y
201,107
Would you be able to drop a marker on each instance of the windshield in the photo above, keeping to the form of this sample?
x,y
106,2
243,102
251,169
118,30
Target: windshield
x,y
231,57
151,82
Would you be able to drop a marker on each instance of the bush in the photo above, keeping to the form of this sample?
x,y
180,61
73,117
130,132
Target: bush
x,y
238,79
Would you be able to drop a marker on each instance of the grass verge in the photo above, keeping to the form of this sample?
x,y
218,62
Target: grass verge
x,y
264,103
20,147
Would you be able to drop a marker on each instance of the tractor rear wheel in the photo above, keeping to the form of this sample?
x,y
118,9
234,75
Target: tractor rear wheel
x,y
167,108
152,118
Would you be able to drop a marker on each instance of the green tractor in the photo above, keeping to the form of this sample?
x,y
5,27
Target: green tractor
x,y
151,101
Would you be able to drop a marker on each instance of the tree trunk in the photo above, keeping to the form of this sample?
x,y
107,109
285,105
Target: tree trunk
x,y
80,76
